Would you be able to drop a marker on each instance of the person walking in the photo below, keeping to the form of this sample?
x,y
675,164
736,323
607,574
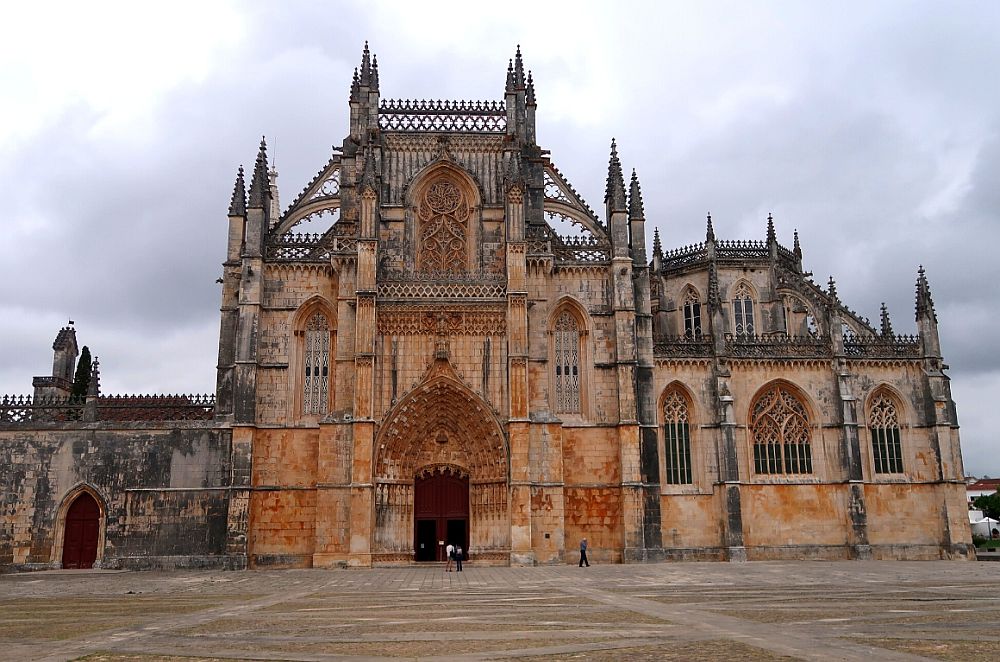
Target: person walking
x,y
458,558
449,553
583,553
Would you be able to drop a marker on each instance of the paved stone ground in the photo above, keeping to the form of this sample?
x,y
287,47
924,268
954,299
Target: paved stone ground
x,y
671,611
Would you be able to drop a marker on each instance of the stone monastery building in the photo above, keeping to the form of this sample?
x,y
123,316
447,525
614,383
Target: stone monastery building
x,y
440,341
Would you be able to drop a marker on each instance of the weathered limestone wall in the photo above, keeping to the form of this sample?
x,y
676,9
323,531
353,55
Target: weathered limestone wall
x,y
795,519
593,493
163,493
692,526
283,503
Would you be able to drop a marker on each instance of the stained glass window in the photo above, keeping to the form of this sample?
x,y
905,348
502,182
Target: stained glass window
x,y
677,439
567,357
883,422
692,315
743,311
316,382
779,427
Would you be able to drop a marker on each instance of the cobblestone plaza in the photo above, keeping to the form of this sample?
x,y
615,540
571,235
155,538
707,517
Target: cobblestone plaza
x,y
691,611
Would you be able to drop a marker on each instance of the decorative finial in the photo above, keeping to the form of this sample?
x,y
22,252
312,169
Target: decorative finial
x,y
238,203
510,76
886,324
518,69
832,289
530,97
771,236
635,206
657,248
615,191
258,183
375,72
925,304
796,247
366,67
709,230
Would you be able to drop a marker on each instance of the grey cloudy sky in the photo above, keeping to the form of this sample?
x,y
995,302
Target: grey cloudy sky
x,y
872,128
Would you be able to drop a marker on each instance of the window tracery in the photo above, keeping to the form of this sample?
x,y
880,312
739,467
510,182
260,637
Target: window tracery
x,y
567,360
883,421
677,438
743,321
316,380
692,314
444,214
779,427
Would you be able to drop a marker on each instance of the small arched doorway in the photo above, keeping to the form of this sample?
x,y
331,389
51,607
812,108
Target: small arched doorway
x,y
440,514
83,528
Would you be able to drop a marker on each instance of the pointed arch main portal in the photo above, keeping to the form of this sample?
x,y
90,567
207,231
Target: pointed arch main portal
x,y
441,428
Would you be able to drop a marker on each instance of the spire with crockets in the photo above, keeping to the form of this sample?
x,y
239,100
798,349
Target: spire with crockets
x,y
925,304
259,188
614,194
885,328
238,203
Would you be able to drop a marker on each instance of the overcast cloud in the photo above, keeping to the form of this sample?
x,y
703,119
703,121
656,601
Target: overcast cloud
x,y
872,128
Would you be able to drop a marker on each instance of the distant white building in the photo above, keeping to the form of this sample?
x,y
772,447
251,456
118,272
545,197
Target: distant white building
x,y
981,488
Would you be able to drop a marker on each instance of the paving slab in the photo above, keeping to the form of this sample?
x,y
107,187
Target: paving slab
x,y
852,610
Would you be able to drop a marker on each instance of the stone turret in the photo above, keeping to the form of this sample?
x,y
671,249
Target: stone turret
x,y
64,352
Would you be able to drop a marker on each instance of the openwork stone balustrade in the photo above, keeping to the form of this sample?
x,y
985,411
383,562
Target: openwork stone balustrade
x,y
25,409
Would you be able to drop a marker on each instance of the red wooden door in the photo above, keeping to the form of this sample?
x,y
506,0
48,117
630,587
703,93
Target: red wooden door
x,y
444,500
83,525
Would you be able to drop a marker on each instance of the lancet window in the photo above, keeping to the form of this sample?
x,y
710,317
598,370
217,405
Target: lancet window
x,y
443,213
316,355
743,322
677,438
567,360
883,421
779,428
692,314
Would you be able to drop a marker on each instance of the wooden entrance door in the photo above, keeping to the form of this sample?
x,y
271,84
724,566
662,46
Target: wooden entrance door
x,y
83,526
441,505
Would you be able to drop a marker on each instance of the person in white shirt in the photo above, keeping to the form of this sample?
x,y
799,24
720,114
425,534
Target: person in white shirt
x,y
449,553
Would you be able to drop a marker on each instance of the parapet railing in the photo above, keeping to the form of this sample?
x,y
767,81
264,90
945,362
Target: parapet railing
x,y
778,346
683,346
119,408
444,116
882,347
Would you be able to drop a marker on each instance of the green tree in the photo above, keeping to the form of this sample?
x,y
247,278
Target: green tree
x,y
81,381
989,504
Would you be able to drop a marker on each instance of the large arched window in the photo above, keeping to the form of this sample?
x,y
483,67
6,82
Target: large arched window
x,y
316,365
677,438
883,421
567,362
743,323
692,314
443,213
779,428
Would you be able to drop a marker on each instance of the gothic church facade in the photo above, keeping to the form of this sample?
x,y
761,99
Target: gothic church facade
x,y
439,341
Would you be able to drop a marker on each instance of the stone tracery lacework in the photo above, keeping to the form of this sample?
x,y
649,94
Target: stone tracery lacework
x,y
884,423
316,381
677,439
567,351
779,428
743,320
444,215
404,321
